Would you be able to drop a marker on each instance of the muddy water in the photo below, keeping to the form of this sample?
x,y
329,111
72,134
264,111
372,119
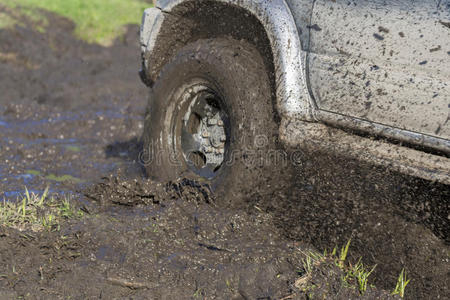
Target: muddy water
x,y
77,116
74,118
57,149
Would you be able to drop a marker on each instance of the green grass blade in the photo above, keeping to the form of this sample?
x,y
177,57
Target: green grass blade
x,y
343,255
43,197
27,194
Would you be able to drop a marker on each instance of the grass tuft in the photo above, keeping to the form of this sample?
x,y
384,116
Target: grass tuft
x,y
312,259
343,254
36,213
360,274
355,276
402,282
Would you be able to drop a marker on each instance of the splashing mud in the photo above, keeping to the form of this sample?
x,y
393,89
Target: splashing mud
x,y
138,192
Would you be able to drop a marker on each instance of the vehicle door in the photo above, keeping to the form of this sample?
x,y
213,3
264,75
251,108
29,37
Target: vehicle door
x,y
385,61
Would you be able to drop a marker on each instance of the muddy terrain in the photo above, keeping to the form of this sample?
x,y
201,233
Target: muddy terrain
x,y
71,118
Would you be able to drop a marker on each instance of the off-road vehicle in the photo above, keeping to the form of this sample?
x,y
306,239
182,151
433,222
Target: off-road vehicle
x,y
367,78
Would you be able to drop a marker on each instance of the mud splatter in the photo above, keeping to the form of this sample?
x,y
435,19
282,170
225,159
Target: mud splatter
x,y
383,29
378,37
146,192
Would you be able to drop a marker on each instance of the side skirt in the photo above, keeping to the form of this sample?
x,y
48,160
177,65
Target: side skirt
x,y
306,135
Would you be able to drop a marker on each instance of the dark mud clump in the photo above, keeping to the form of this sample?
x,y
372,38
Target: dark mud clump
x,y
145,192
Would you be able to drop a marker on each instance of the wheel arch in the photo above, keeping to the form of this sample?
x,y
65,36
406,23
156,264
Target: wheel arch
x,y
269,25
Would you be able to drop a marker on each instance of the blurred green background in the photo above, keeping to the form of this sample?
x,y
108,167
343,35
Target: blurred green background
x,y
96,21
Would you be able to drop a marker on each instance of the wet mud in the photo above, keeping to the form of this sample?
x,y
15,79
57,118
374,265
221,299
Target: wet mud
x,y
175,247
71,118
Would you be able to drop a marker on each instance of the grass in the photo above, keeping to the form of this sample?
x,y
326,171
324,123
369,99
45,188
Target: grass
x,y
33,172
355,276
97,21
342,255
360,274
36,213
73,148
63,178
53,177
5,20
402,282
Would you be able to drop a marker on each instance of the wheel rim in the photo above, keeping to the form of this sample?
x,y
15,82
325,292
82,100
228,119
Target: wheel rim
x,y
204,131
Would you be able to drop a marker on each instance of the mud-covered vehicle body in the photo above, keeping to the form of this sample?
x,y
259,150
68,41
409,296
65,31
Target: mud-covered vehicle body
x,y
368,78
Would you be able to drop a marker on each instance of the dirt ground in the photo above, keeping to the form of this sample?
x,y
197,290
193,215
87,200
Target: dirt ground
x,y
71,118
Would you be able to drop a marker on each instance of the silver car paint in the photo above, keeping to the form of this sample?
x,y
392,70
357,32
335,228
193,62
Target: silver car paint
x,y
384,62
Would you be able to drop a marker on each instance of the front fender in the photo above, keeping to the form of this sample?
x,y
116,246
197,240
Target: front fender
x,y
293,99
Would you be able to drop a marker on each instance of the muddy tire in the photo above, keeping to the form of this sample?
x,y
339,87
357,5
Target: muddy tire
x,y
210,117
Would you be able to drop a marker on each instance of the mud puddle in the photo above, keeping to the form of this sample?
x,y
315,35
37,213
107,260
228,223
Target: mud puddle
x,y
59,152
78,117
75,117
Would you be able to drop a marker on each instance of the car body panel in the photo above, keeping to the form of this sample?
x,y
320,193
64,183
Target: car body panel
x,y
383,61
320,137
302,11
